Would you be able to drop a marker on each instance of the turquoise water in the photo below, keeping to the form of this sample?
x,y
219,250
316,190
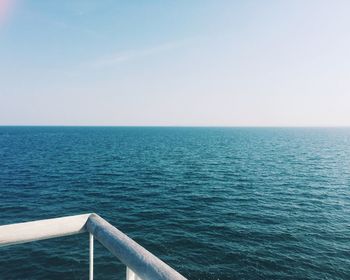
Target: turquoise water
x,y
214,203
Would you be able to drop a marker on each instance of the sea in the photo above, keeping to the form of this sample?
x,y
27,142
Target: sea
x,y
213,203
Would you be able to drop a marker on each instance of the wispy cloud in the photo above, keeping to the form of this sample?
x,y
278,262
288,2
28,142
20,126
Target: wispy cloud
x,y
61,24
123,56
76,29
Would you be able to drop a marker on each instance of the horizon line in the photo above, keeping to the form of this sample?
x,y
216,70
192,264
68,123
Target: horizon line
x,y
179,126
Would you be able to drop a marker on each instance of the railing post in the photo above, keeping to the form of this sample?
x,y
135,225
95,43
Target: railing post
x,y
91,257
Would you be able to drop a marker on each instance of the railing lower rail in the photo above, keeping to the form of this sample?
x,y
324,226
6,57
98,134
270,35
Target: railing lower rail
x,y
141,264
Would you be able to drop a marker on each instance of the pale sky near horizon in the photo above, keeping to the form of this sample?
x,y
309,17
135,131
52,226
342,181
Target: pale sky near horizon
x,y
158,62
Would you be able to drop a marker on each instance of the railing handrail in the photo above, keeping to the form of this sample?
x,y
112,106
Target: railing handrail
x,y
42,229
143,263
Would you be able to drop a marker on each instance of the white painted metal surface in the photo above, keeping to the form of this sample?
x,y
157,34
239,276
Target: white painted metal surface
x,y
141,264
42,229
130,275
91,257
138,259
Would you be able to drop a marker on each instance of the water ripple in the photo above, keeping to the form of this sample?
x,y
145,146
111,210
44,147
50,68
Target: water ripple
x,y
215,203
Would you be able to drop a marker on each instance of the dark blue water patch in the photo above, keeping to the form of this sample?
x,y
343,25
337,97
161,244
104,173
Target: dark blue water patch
x,y
214,203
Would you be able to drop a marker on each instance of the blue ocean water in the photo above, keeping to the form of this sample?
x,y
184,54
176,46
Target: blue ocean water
x,y
214,203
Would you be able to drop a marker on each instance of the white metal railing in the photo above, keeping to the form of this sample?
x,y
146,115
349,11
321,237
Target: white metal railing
x,y
140,263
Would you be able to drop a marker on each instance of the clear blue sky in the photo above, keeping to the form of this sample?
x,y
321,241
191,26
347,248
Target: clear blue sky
x,y
230,63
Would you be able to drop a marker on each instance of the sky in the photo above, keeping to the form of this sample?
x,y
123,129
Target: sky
x,y
175,62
